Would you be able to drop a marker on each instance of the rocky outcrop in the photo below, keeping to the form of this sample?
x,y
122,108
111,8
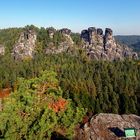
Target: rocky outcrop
x,y
92,35
62,46
100,39
2,50
25,46
85,36
99,46
51,32
108,127
95,43
66,33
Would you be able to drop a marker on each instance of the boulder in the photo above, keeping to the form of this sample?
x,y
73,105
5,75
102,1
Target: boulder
x,y
108,127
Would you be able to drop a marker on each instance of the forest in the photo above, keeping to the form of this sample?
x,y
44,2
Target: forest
x,y
51,94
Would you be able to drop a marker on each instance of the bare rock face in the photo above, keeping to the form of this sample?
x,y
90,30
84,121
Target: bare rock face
x,y
2,50
109,127
92,35
66,33
99,46
25,46
85,36
99,31
51,32
99,37
68,42
112,49
62,46
108,39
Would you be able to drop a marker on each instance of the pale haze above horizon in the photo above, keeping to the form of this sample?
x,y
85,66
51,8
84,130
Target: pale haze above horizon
x,y
120,15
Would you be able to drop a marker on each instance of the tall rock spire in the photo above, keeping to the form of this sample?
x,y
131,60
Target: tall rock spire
x,y
104,46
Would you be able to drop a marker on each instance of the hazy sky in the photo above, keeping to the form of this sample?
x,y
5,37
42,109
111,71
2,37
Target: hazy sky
x,y
123,16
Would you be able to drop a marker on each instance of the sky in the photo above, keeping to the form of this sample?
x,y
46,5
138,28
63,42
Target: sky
x,y
123,16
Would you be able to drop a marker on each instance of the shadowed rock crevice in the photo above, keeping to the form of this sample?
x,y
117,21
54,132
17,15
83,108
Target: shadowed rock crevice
x,y
58,136
118,132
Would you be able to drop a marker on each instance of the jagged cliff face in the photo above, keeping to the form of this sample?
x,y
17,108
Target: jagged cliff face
x,y
25,46
99,46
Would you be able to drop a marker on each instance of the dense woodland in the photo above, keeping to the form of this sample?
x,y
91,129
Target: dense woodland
x,y
51,94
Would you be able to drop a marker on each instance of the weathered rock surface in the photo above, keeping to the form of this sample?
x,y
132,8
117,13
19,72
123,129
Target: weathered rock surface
x,y
2,50
63,46
66,33
99,46
51,32
108,127
95,43
25,46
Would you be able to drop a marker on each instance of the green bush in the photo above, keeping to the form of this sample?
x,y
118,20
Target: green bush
x,y
26,113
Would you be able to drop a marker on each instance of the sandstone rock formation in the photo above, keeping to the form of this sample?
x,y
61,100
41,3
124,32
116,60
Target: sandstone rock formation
x,y
2,50
99,46
95,43
108,127
62,46
66,33
51,32
25,46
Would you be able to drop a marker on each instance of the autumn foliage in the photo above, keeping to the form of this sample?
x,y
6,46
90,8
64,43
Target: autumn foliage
x,y
58,105
5,92
38,109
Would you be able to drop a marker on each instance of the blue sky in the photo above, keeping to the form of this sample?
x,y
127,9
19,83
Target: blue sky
x,y
123,16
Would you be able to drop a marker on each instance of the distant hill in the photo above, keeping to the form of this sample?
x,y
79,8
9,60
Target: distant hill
x,y
132,41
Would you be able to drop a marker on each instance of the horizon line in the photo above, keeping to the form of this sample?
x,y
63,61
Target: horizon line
x,y
39,26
